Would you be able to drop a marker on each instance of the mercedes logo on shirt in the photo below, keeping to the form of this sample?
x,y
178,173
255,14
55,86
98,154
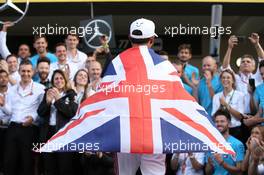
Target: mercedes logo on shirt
x,y
100,28
9,4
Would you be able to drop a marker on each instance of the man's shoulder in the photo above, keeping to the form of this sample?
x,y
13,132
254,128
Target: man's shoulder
x,y
13,88
51,56
38,86
235,142
260,87
82,55
192,68
35,57
53,65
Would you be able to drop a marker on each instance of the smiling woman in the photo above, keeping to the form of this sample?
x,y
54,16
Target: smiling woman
x,y
232,100
57,108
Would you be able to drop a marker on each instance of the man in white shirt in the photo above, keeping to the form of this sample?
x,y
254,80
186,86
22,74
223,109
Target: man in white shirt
x,y
68,68
4,115
95,71
22,102
246,68
75,56
90,59
188,163
12,63
23,49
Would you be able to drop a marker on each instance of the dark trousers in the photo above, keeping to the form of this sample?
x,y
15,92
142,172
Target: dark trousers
x,y
18,150
59,163
93,165
2,149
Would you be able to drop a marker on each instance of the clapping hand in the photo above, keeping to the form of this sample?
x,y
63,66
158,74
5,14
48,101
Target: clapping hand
x,y
208,77
49,96
195,82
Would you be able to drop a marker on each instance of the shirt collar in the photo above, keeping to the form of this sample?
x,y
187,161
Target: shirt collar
x,y
230,93
75,58
27,91
244,76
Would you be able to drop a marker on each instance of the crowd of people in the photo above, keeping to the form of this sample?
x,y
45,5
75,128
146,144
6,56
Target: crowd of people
x,y
40,93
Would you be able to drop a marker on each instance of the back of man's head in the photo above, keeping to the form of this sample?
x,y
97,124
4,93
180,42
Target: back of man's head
x,y
142,31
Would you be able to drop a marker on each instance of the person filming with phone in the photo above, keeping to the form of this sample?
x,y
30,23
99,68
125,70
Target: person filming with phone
x,y
246,69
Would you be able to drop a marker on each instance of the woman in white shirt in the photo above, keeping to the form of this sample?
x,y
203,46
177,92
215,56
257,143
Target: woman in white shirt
x,y
232,100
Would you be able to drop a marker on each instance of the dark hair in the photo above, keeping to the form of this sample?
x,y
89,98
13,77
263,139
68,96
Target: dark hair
x,y
177,62
90,54
58,71
24,44
162,52
185,46
72,34
60,44
25,62
11,55
261,64
232,74
223,112
86,86
3,71
43,59
138,41
36,37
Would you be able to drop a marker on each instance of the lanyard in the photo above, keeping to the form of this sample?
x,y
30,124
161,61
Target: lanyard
x,y
231,97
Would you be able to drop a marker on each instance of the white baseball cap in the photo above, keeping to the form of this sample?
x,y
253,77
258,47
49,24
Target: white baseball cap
x,y
145,28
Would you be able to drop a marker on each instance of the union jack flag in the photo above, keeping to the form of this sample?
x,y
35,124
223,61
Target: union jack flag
x,y
141,107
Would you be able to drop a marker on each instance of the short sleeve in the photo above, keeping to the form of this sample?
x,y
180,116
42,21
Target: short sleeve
x,y
240,152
